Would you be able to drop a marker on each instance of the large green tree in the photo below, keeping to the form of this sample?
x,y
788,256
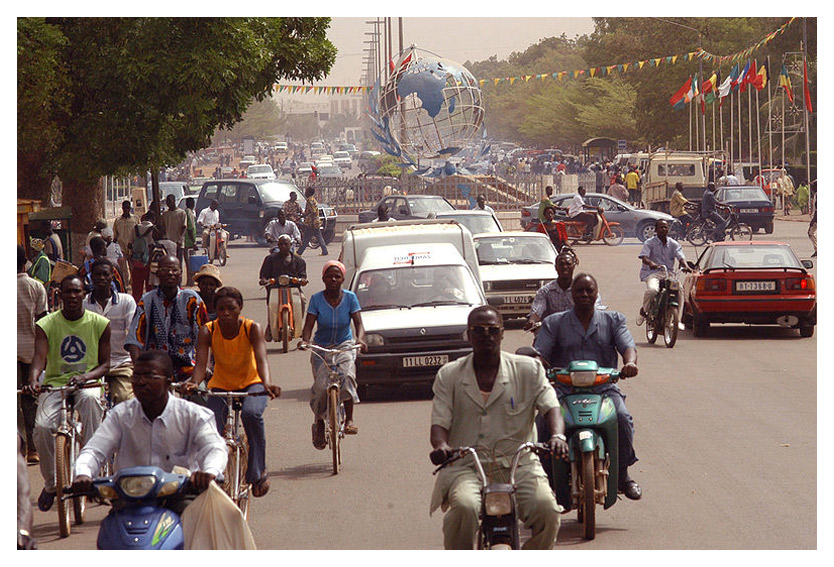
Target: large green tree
x,y
142,92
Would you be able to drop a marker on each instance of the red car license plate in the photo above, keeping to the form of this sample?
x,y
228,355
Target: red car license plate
x,y
756,286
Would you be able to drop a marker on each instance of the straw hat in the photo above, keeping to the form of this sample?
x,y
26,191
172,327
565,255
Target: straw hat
x,y
208,270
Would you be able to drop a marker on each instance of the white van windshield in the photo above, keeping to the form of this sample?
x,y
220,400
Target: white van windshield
x,y
416,286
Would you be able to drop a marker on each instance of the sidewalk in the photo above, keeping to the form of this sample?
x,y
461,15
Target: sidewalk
x,y
794,217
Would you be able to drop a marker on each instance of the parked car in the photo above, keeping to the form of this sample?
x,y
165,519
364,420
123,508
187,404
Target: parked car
x,y
513,266
476,221
246,161
366,159
755,282
750,203
304,168
280,147
260,171
246,205
342,159
350,149
409,207
178,189
634,221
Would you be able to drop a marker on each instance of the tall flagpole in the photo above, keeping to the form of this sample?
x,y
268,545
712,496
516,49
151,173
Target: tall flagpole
x,y
750,124
769,114
805,104
759,137
740,140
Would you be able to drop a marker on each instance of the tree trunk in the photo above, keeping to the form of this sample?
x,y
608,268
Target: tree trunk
x,y
86,197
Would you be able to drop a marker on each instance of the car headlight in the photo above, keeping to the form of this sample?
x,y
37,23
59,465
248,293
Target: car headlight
x,y
137,486
487,286
498,503
260,214
374,339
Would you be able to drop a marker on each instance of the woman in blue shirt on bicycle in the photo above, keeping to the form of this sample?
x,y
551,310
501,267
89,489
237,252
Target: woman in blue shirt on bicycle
x,y
331,312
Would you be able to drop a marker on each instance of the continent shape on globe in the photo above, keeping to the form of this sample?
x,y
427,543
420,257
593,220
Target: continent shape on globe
x,y
427,86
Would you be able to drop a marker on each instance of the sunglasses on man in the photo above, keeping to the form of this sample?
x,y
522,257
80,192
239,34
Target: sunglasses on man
x,y
485,330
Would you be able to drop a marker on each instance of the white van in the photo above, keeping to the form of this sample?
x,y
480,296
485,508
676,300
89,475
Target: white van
x,y
417,282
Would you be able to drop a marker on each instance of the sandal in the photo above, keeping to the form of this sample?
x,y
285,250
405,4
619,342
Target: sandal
x,y
318,436
351,429
261,486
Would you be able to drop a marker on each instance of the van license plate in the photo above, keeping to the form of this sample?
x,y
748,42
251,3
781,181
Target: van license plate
x,y
427,360
518,299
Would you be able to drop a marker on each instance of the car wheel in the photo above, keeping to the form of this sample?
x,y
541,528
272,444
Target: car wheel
x,y
768,227
806,330
700,326
645,231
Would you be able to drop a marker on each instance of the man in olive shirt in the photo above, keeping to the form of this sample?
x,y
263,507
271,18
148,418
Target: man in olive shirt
x,y
490,398
174,223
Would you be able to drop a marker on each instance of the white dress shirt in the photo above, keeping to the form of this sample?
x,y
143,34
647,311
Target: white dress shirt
x,y
208,217
184,434
577,205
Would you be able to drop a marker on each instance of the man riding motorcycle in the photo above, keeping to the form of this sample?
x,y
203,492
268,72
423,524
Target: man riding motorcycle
x,y
282,261
280,225
587,333
708,206
208,218
658,251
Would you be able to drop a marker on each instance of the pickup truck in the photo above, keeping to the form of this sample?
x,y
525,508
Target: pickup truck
x,y
667,167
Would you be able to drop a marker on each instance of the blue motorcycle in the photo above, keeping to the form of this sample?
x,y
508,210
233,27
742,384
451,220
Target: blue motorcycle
x,y
138,519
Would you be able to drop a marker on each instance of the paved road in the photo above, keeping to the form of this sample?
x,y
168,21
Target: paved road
x,y
725,433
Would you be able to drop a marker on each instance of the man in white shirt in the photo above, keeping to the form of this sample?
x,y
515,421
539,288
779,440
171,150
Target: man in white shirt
x,y
208,217
280,225
119,309
580,212
480,205
154,429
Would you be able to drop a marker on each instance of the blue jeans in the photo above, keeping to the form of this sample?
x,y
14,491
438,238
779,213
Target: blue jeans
x,y
253,424
307,232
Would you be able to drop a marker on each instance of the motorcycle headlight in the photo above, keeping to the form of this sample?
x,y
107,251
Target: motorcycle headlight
x,y
169,488
498,503
374,339
137,486
583,379
283,279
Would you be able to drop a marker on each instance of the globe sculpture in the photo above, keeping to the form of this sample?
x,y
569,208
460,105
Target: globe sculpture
x,y
430,107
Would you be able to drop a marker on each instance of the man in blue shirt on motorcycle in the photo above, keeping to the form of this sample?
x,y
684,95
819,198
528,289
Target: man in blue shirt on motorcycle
x,y
586,333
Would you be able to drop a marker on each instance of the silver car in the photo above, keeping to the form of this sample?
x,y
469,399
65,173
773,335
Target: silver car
x,y
634,221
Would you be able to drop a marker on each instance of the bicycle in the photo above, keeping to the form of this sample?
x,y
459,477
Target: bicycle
x,y
67,447
334,425
702,231
234,477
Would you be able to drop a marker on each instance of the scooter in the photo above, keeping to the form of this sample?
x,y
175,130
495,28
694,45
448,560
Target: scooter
x,y
609,232
499,509
590,476
280,311
217,243
138,520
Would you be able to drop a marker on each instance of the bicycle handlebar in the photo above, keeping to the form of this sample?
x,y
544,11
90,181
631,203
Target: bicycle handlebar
x,y
232,394
67,387
460,452
329,350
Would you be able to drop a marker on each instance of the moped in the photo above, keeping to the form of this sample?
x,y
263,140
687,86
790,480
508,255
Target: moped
x,y
138,519
499,510
217,244
609,232
280,310
663,315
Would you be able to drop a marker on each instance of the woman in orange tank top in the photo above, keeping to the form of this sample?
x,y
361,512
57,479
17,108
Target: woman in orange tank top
x,y
240,364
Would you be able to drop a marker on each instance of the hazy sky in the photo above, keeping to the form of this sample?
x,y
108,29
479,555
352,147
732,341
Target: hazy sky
x,y
458,39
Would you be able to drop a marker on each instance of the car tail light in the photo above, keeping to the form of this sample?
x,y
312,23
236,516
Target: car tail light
x,y
711,285
526,213
767,209
802,284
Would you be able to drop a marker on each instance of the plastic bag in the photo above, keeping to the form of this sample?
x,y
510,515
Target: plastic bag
x,y
212,521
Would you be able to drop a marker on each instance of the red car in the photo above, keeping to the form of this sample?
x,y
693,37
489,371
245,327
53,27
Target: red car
x,y
757,282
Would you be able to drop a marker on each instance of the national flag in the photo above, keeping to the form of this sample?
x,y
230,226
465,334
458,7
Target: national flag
x,y
693,90
748,76
805,86
725,87
761,79
785,83
709,88
737,77
677,100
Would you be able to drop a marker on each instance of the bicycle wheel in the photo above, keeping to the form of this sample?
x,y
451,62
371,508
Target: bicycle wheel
x,y
79,503
333,418
696,234
62,479
613,236
244,488
285,329
231,475
741,232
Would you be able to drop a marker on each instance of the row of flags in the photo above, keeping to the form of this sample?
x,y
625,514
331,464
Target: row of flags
x,y
709,90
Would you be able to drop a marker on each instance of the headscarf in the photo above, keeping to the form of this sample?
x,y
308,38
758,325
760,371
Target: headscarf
x,y
330,264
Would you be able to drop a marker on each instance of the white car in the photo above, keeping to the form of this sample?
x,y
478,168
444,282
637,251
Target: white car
x,y
513,266
280,147
342,159
260,171
247,161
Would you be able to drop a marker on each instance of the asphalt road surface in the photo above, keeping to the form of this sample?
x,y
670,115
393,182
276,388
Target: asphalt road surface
x,y
726,434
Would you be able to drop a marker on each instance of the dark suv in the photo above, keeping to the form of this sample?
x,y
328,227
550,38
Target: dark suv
x,y
247,205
